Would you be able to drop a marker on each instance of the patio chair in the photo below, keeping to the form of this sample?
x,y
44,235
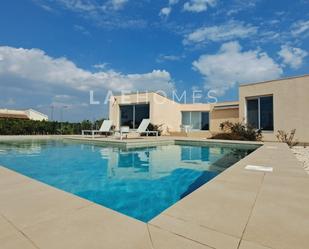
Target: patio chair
x,y
142,129
105,128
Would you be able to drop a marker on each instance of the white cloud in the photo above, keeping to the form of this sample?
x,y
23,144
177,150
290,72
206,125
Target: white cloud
x,y
79,5
92,6
67,101
300,28
231,65
62,97
239,6
33,68
164,57
292,56
225,32
105,14
165,12
199,5
118,4
44,5
100,66
81,29
172,2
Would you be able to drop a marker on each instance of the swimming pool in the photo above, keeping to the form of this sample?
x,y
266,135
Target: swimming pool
x,y
140,182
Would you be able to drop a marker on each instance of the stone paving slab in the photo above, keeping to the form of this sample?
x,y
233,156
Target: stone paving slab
x,y
16,241
6,228
28,202
218,205
280,218
250,245
162,239
12,238
196,232
90,227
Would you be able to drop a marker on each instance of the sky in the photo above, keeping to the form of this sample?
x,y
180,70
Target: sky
x,y
54,52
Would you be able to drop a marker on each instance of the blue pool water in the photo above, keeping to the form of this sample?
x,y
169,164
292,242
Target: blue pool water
x,y
140,183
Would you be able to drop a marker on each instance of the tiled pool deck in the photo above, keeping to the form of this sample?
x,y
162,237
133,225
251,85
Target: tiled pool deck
x,y
237,209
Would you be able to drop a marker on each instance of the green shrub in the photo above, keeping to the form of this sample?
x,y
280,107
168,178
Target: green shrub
x,y
238,131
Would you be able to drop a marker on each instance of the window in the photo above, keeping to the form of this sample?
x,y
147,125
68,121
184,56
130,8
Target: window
x,y
132,115
126,116
260,113
253,112
205,121
186,118
266,114
197,120
141,112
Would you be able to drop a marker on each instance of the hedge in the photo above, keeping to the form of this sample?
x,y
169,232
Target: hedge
x,y
32,127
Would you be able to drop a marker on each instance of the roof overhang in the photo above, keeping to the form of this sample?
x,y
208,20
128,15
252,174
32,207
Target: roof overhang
x,y
226,107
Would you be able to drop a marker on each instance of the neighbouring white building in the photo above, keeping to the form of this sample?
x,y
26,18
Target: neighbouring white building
x,y
23,114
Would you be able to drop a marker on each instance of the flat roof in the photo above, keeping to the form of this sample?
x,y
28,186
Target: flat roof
x,y
268,81
223,103
20,112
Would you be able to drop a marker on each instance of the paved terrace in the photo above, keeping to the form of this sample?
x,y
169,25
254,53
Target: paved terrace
x,y
237,209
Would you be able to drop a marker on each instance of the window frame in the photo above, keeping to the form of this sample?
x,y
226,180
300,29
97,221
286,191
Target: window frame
x,y
133,105
258,98
200,114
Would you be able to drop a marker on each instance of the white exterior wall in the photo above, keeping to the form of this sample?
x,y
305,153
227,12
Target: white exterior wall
x,y
291,103
13,112
166,112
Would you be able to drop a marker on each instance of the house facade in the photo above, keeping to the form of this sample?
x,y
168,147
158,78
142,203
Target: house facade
x,y
194,119
277,105
23,114
270,106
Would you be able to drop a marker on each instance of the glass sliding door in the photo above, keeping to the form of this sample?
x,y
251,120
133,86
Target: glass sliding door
x,y
132,115
196,120
126,116
141,112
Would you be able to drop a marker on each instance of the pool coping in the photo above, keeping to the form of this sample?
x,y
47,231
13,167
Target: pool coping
x,y
237,209
130,143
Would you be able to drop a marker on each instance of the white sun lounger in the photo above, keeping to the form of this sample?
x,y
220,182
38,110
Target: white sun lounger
x,y
105,128
142,129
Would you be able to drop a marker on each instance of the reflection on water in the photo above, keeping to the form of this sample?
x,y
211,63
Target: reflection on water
x,y
25,148
140,182
156,162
